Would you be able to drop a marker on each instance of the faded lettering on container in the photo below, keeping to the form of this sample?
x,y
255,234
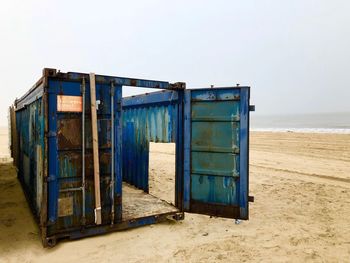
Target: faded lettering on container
x,y
69,103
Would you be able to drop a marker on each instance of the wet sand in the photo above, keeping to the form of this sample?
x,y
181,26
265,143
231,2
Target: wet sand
x,y
301,184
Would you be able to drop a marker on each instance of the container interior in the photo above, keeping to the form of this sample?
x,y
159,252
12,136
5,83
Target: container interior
x,y
150,118
138,204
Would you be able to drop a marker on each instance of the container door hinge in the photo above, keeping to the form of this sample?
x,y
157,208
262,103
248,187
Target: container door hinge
x,y
251,107
251,199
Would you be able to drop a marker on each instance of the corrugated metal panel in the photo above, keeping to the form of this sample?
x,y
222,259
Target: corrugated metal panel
x,y
215,154
146,118
30,133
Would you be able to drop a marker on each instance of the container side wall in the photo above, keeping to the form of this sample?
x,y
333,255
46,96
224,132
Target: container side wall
x,y
30,123
146,118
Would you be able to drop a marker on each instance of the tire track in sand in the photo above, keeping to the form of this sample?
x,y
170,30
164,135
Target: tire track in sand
x,y
327,177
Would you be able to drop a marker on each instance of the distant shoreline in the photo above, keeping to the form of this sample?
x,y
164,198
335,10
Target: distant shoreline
x,y
303,130
4,130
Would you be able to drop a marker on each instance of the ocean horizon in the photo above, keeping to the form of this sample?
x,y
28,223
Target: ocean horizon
x,y
308,123
315,122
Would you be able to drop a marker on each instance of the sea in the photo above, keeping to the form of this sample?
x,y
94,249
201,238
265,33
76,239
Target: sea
x,y
314,123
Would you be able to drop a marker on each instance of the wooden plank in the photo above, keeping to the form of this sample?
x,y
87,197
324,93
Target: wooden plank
x,y
14,142
11,130
98,218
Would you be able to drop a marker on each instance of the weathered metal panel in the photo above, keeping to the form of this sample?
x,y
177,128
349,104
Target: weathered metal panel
x,y
214,163
179,154
146,118
187,151
214,189
67,182
30,153
215,111
120,81
244,154
215,136
39,176
216,153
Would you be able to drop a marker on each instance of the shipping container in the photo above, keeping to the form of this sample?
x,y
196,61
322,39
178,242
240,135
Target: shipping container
x,y
82,152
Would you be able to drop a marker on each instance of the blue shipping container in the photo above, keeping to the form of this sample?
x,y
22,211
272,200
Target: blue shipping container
x,y
52,146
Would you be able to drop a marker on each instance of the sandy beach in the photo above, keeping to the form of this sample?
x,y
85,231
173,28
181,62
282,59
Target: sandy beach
x,y
301,184
4,146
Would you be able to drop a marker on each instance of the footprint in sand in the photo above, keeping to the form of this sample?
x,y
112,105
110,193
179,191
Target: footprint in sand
x,y
8,222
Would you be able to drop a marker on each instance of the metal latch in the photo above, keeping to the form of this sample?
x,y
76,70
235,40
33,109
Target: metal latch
x,y
251,107
98,102
50,178
251,199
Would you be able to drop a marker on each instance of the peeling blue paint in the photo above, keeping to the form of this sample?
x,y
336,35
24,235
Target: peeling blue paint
x,y
216,154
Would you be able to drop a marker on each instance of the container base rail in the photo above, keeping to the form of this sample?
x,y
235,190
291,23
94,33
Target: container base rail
x,y
74,234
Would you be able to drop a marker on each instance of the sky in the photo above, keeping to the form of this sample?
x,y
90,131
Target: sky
x,y
295,55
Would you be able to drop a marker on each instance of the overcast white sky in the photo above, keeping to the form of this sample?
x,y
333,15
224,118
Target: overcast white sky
x,y
294,54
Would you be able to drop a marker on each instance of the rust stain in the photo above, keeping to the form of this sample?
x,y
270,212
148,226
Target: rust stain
x,y
65,206
133,82
69,133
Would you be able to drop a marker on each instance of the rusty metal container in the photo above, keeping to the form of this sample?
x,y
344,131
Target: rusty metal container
x,y
52,149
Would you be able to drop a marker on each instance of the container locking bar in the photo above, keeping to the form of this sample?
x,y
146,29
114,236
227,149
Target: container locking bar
x,y
112,154
67,190
98,216
83,91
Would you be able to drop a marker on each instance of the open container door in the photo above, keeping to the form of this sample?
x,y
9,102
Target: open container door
x,y
216,152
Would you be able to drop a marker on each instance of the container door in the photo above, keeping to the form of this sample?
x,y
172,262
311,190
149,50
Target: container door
x,y
216,152
67,207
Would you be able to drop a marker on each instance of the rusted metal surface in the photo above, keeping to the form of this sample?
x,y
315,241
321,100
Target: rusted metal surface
x,y
73,140
221,210
73,234
67,139
216,156
43,214
65,206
